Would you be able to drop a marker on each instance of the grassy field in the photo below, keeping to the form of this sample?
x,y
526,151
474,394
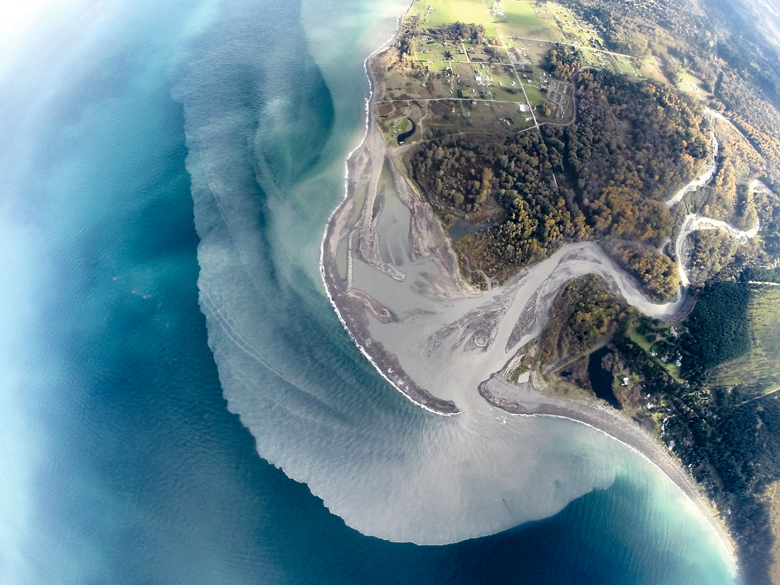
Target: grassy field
x,y
760,367
642,342
652,70
773,496
523,19
535,96
392,127
626,65
437,51
521,13
688,83
591,58
446,12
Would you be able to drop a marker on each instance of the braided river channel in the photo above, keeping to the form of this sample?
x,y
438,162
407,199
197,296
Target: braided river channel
x,y
179,400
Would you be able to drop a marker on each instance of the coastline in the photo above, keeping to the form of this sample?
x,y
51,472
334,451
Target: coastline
x,y
352,318
351,306
525,400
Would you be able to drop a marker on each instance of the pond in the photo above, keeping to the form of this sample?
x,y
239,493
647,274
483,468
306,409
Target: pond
x,y
601,380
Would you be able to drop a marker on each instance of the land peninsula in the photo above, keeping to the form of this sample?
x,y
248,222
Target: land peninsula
x,y
571,209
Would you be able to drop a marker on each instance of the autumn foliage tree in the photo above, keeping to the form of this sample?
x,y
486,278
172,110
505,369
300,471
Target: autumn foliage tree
x,y
605,176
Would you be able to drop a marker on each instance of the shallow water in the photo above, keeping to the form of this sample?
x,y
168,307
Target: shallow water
x,y
127,465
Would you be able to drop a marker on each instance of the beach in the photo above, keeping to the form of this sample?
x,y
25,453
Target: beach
x,y
413,350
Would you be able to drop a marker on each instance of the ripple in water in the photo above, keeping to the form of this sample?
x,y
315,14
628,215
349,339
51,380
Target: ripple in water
x,y
314,406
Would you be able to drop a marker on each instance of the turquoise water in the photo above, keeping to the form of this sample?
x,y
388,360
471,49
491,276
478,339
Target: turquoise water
x,y
122,461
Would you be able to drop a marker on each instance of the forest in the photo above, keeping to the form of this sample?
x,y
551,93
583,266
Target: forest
x,y
584,313
657,272
718,326
712,251
606,175
730,444
719,42
563,62
645,137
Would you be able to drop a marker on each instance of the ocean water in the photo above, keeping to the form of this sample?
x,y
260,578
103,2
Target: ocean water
x,y
126,454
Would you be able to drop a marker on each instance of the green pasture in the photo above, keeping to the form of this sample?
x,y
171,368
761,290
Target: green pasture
x,y
437,51
502,79
535,96
646,345
590,58
445,12
521,13
508,94
439,66
534,75
759,367
522,20
626,65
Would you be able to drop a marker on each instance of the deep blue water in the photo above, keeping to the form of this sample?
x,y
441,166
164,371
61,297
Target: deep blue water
x,y
132,470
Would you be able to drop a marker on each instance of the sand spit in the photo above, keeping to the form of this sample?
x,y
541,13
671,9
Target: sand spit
x,y
524,400
364,167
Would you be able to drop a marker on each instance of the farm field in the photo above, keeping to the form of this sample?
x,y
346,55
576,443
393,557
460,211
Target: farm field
x,y
626,65
574,29
446,12
651,69
688,83
526,20
495,86
438,51
475,116
535,96
655,348
531,75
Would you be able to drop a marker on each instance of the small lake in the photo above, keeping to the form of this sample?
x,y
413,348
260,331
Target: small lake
x,y
464,228
601,380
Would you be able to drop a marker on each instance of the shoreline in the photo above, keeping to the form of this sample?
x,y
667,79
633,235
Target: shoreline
x,y
383,361
351,309
530,402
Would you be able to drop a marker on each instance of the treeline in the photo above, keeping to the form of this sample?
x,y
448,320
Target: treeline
x,y
757,274
584,313
563,61
604,176
460,31
730,445
657,272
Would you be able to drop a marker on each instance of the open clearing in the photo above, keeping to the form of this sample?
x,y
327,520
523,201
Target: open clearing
x,y
526,20
760,364
446,12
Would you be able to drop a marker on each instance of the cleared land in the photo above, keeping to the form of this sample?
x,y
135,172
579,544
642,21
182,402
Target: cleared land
x,y
445,12
521,19
761,364
658,346
486,84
